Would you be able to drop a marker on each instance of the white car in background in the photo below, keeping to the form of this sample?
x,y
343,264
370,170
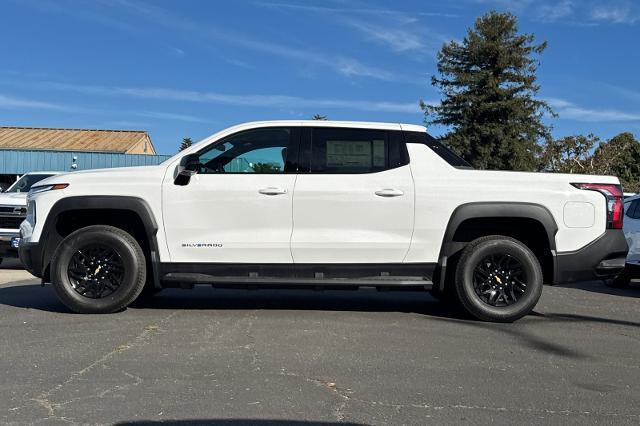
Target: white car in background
x,y
631,229
13,210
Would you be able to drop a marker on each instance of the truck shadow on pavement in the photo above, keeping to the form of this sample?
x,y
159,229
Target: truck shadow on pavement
x,y
633,290
30,296
234,422
525,332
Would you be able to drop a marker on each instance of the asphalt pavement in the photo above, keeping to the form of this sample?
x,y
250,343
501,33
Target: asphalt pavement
x,y
272,357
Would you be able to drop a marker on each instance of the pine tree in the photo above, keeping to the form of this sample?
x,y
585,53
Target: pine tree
x,y
488,85
186,143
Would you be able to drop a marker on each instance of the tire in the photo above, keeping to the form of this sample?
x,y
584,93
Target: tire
x,y
90,251
621,281
512,293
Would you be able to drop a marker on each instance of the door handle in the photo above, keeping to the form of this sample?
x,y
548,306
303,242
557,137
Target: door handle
x,y
272,191
389,192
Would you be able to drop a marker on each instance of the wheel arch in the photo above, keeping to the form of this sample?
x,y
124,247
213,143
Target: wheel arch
x,y
126,206
500,218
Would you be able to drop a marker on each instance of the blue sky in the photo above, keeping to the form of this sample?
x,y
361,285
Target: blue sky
x,y
190,68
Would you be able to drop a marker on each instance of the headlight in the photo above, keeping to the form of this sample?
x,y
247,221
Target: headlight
x,y
31,211
44,188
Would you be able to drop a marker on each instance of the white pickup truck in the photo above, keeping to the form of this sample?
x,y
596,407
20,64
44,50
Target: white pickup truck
x,y
322,205
13,210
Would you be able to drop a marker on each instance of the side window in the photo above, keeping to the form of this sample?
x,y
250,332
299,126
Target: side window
x,y
346,151
254,151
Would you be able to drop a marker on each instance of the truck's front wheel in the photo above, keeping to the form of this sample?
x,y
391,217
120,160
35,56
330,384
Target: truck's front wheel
x,y
98,269
498,279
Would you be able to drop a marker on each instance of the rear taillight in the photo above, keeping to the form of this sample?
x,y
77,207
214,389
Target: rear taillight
x,y
613,195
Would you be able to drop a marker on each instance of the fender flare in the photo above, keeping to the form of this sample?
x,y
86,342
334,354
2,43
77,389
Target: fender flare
x,y
137,205
478,210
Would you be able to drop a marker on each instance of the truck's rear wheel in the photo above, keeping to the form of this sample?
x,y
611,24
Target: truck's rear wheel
x,y
621,281
98,269
498,279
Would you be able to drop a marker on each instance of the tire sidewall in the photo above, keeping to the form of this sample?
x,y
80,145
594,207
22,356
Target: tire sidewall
x,y
128,250
466,291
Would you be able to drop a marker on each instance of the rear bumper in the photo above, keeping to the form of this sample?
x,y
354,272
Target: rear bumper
x,y
601,259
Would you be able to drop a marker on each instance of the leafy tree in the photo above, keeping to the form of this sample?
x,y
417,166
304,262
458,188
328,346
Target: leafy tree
x,y
488,85
186,143
319,117
266,168
571,154
620,156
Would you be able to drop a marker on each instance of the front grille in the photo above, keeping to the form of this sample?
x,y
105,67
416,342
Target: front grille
x,y
11,222
13,209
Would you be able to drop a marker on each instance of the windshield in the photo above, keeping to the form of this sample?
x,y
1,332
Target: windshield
x,y
25,183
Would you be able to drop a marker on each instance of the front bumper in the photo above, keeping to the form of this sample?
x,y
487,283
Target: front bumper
x,y
8,244
603,258
31,257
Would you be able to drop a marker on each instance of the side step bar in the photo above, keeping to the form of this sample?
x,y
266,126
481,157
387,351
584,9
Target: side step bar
x,y
188,279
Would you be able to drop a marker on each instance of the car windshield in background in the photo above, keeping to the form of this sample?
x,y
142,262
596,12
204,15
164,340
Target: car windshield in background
x,y
25,183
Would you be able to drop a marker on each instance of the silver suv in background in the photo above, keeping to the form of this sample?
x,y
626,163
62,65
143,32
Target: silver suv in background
x,y
13,210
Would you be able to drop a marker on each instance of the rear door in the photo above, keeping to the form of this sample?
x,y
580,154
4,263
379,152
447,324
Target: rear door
x,y
354,197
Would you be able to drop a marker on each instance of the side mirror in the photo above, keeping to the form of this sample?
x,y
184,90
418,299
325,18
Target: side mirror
x,y
189,166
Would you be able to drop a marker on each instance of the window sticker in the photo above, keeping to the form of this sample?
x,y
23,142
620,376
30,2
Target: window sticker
x,y
349,153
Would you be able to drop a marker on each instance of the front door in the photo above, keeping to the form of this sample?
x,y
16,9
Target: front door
x,y
356,203
238,207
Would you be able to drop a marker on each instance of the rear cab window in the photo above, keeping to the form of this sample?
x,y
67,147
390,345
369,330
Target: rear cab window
x,y
438,147
352,151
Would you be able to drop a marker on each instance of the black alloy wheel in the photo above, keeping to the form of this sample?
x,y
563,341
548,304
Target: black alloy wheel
x,y
500,280
96,271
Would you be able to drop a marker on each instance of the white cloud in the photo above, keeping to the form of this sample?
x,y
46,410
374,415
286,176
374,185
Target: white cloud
x,y
137,125
397,39
169,19
171,116
251,100
621,14
176,51
512,5
576,12
9,102
555,11
398,30
238,63
570,111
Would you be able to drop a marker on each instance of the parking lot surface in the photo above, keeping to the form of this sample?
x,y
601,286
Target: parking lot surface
x,y
365,357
